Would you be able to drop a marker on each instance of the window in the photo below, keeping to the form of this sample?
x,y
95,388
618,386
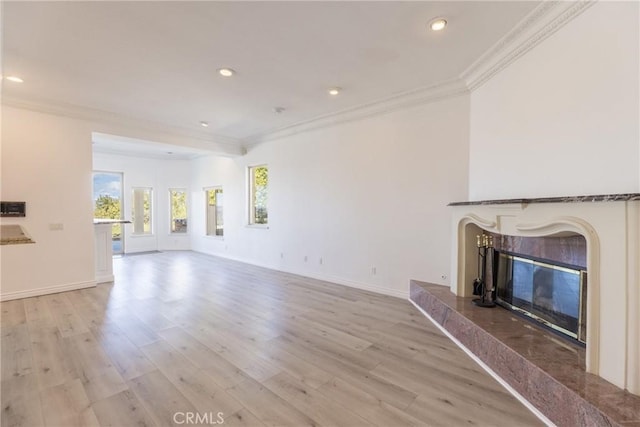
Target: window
x,y
141,212
215,222
178,199
107,204
258,192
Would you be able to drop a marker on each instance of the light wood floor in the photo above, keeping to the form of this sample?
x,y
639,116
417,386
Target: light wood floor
x,y
184,333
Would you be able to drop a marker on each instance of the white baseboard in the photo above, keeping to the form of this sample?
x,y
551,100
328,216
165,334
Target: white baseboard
x,y
48,290
490,371
327,278
358,285
105,279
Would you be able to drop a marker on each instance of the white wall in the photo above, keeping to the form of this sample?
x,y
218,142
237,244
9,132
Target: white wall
x,y
564,118
160,175
46,162
371,193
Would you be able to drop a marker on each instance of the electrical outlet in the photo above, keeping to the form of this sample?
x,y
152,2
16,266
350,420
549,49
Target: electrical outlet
x,y
373,271
320,260
56,226
281,255
306,258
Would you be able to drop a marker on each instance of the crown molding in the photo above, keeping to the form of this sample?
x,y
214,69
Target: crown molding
x,y
216,144
399,101
540,23
145,155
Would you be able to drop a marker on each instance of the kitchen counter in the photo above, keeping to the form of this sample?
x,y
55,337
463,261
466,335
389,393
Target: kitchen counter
x,y
14,234
104,248
97,221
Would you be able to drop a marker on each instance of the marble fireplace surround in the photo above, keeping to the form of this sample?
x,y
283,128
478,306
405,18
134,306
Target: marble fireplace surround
x,y
564,251
610,225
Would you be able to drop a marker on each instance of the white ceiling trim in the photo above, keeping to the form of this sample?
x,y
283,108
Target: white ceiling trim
x,y
214,143
115,144
143,155
403,100
540,23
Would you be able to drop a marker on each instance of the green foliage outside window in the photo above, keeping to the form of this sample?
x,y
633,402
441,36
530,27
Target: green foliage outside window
x,y
141,201
108,207
178,211
260,194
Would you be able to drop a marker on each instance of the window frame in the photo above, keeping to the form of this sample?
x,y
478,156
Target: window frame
x,y
133,214
251,217
206,190
123,206
186,207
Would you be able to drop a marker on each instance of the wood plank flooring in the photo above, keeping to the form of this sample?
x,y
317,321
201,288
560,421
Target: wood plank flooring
x,y
183,333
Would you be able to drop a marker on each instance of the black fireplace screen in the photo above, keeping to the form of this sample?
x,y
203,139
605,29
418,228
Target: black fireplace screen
x,y
555,295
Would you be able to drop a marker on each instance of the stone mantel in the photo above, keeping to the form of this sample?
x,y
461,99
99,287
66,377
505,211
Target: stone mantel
x,y
610,225
626,197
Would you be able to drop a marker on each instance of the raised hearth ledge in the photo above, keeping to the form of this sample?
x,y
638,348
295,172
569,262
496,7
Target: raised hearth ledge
x,y
545,370
627,197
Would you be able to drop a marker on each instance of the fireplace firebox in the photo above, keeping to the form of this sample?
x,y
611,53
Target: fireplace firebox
x,y
546,291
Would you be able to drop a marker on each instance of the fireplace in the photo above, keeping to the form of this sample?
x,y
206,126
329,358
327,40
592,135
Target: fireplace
x,y
587,247
548,292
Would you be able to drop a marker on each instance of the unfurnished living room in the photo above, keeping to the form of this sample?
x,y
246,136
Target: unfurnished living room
x,y
323,213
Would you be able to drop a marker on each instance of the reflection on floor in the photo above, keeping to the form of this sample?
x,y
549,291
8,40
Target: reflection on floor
x,y
182,333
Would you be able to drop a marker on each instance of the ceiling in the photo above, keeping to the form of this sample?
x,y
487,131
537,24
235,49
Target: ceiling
x,y
114,144
157,61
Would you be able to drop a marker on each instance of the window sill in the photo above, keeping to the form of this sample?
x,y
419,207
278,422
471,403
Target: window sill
x,y
211,236
141,235
260,226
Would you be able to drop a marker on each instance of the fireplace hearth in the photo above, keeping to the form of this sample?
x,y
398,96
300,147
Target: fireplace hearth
x,y
546,371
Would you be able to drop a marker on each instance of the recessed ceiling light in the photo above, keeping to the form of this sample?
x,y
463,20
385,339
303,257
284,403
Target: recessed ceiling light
x,y
14,79
226,72
204,124
278,110
334,91
169,152
438,24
